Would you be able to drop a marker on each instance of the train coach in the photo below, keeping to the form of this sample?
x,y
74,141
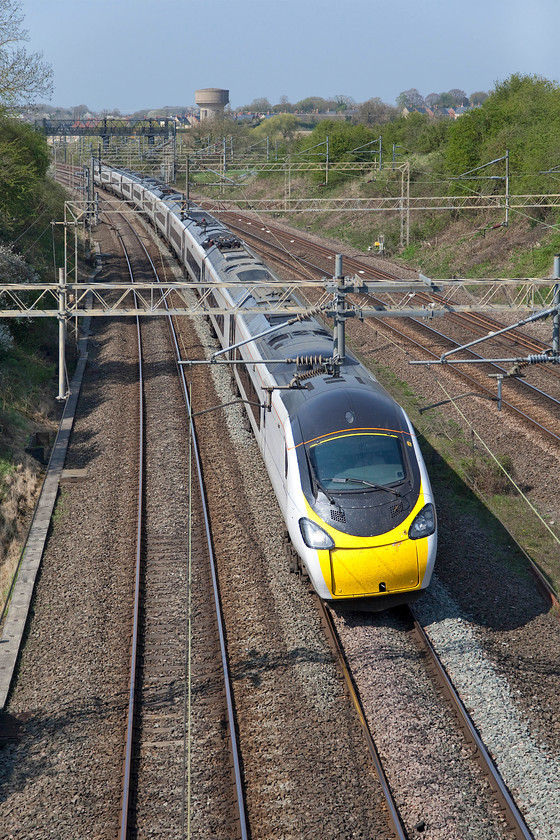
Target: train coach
x,y
342,455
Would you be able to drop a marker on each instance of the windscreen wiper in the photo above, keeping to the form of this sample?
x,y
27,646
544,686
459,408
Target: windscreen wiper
x,y
366,483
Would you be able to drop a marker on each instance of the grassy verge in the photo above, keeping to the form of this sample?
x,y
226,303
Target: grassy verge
x,y
27,391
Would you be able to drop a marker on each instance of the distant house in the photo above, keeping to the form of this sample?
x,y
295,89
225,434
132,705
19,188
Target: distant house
x,y
421,110
438,111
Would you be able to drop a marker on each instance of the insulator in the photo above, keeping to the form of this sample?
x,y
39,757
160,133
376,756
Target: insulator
x,y
301,316
301,361
537,358
305,316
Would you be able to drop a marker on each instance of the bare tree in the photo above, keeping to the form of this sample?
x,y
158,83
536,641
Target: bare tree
x,y
411,98
23,75
374,112
343,102
459,96
432,99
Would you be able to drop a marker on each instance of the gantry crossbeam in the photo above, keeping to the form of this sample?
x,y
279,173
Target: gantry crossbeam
x,y
42,300
388,203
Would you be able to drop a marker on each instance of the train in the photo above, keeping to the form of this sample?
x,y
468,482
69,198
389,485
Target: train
x,y
341,453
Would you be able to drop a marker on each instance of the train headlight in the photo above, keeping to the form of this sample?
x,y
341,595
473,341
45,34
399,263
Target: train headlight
x,y
314,536
424,523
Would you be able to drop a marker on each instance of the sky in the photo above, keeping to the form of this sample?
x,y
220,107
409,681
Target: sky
x,y
137,54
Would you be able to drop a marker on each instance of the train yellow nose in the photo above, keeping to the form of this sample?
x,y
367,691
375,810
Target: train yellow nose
x,y
369,571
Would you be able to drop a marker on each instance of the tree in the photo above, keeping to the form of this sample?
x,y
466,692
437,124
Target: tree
x,y
410,99
311,103
25,158
343,102
78,111
346,141
432,99
522,115
282,125
445,100
260,106
284,106
375,112
459,97
478,97
23,75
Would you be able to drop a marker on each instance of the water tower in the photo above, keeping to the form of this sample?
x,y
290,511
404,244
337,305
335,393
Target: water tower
x,y
211,102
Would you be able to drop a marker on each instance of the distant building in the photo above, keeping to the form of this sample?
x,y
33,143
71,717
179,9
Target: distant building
x,y
211,102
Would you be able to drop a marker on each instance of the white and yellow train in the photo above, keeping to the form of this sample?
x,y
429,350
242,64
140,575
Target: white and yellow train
x,y
341,454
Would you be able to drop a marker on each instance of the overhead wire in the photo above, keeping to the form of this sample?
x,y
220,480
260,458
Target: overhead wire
x,y
260,216
483,443
497,461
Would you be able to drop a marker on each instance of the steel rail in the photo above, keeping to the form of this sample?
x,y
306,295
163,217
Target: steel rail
x,y
473,381
394,816
513,816
494,364
125,804
485,321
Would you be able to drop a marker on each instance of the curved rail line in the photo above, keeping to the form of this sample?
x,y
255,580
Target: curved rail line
x,y
514,818
395,822
478,322
468,378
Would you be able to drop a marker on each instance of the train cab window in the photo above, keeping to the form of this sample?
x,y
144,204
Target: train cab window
x,y
357,462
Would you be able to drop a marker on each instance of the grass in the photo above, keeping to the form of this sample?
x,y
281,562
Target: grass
x,y
27,368
6,469
529,532
60,508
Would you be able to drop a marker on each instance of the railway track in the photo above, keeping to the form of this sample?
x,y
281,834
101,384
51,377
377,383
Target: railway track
x,y
158,778
454,721
151,732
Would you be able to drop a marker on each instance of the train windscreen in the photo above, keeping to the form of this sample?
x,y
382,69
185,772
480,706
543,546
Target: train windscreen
x,y
357,461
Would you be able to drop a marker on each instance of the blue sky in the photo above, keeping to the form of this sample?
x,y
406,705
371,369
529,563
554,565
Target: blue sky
x,y
133,54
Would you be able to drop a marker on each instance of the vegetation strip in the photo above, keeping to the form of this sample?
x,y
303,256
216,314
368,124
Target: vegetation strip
x,y
24,581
